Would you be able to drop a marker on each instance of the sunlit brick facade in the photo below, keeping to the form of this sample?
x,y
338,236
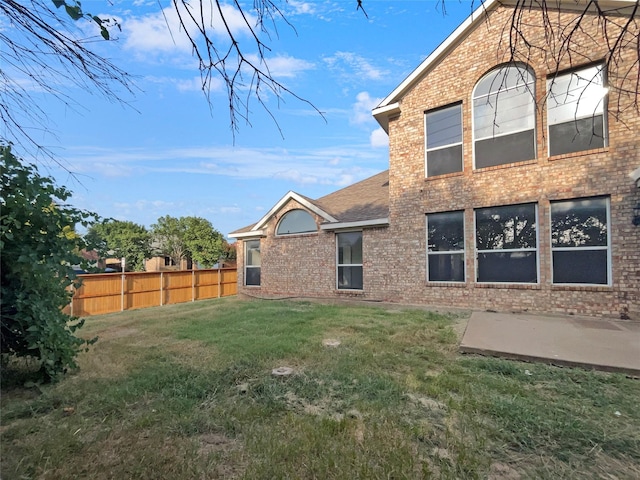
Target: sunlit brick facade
x,y
546,233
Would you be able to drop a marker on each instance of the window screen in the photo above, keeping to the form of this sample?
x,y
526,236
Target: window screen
x,y
349,272
444,140
504,117
580,241
253,262
506,243
575,111
445,247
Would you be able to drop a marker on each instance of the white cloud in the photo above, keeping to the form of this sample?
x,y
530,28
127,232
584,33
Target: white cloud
x,y
352,65
379,138
283,66
301,8
161,32
193,84
339,165
361,113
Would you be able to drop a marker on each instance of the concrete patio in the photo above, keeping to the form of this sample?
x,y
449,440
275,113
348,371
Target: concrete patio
x,y
597,343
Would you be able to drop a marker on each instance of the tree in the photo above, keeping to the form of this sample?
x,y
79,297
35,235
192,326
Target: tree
x,y
191,238
41,49
38,246
205,244
117,238
47,48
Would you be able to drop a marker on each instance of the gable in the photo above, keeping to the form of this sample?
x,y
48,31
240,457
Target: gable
x,y
391,105
365,203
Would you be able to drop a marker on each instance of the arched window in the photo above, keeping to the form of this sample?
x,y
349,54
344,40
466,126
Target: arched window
x,y
296,221
504,117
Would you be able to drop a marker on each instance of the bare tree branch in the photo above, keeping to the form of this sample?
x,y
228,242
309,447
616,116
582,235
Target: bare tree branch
x,y
243,77
44,52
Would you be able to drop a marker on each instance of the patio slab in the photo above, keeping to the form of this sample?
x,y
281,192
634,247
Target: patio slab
x,y
596,343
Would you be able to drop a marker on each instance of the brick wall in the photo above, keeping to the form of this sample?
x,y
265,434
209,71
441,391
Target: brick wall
x,y
305,264
598,172
395,257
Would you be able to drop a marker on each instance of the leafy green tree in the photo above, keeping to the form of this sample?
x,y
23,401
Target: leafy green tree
x,y
117,238
37,249
168,238
205,244
191,238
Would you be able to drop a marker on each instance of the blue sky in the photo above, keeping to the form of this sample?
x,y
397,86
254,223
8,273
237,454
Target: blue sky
x,y
167,153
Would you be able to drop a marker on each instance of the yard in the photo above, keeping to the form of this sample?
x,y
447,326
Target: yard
x,y
187,391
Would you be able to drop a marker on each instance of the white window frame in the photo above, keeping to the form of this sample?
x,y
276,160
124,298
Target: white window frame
x,y
338,264
531,88
427,150
600,110
246,261
582,249
462,252
508,250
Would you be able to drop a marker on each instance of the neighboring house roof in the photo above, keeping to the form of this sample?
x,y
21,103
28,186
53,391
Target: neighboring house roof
x,y
391,105
363,204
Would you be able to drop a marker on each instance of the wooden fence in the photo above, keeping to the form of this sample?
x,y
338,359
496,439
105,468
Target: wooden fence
x,y
116,292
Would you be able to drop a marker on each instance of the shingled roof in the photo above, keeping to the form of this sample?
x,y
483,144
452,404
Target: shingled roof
x,y
365,203
365,200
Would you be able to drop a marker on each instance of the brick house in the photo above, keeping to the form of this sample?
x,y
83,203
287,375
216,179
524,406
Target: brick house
x,y
511,188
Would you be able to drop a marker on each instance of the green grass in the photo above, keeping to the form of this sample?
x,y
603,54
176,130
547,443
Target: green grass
x,y
186,391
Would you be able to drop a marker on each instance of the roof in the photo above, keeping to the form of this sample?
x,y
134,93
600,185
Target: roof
x,y
365,200
363,204
390,106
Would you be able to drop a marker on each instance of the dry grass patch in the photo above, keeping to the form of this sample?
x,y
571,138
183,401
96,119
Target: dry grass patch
x,y
186,391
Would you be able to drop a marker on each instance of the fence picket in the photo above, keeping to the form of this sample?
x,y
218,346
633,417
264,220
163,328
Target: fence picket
x,y
99,293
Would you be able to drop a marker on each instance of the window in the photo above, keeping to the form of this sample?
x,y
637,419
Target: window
x,y
580,241
349,260
296,221
169,262
445,247
504,117
252,261
444,140
575,111
507,244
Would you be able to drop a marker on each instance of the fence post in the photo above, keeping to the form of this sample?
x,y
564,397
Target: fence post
x,y
193,285
161,286
219,281
122,294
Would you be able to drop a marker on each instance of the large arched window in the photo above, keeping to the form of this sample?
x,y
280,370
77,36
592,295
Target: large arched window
x,y
504,117
296,221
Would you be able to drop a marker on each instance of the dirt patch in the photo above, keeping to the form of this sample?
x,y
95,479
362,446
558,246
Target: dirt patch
x,y
215,442
501,471
118,332
427,402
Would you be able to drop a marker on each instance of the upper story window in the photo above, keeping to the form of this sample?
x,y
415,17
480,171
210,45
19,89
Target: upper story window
x,y
504,117
443,128
296,221
575,110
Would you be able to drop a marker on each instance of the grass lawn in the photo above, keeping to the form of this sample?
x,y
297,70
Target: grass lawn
x,y
187,392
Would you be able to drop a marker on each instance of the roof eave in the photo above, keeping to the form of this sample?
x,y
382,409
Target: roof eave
x,y
253,233
382,115
298,198
377,222
442,50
